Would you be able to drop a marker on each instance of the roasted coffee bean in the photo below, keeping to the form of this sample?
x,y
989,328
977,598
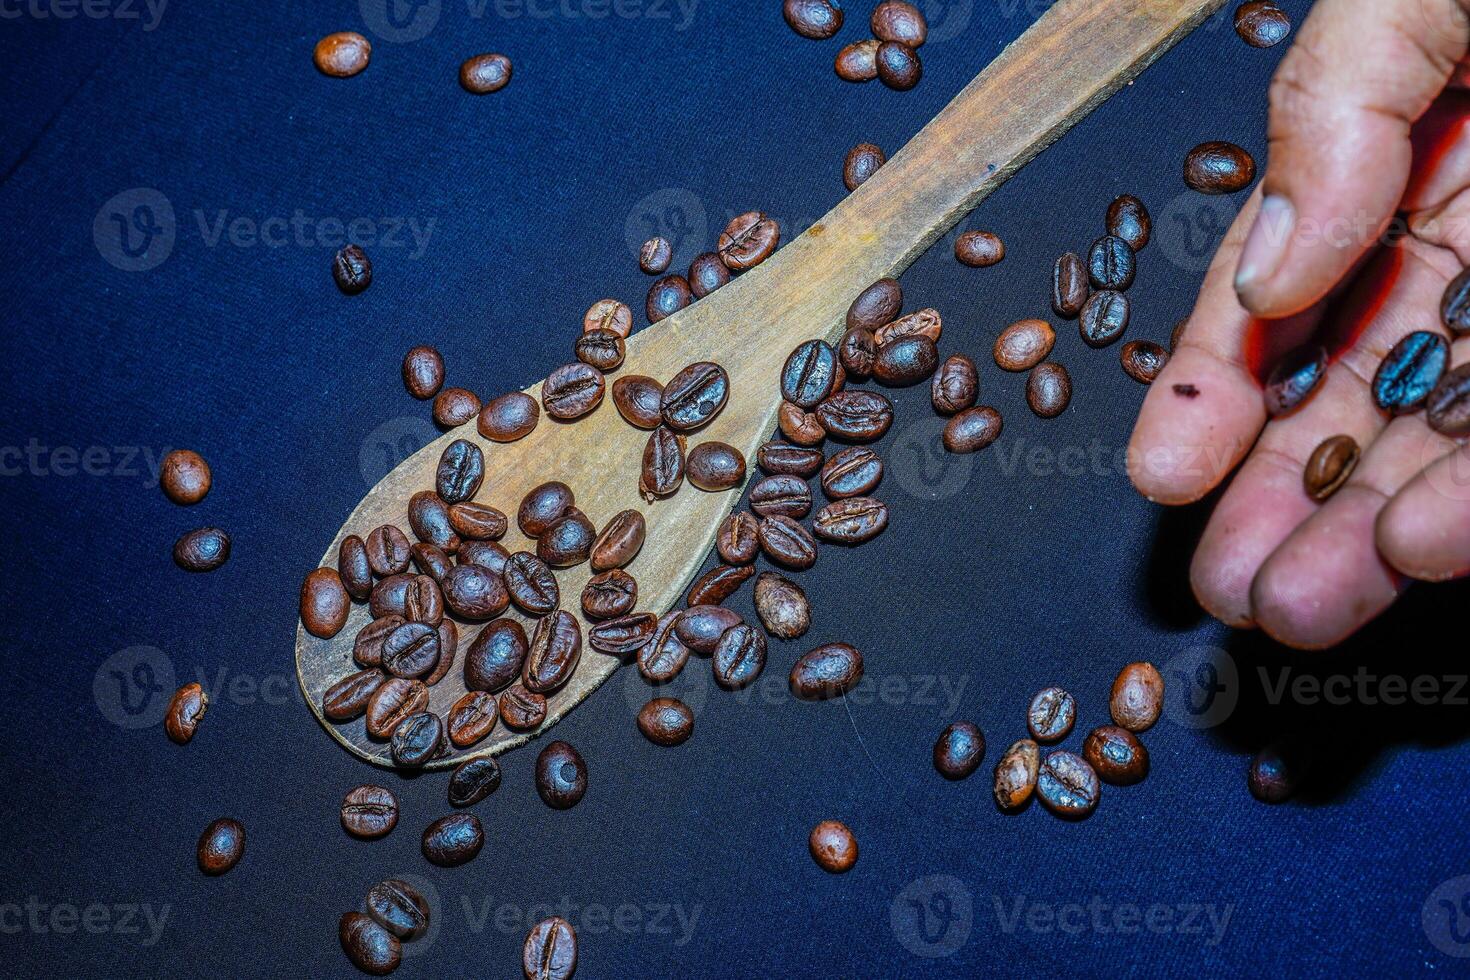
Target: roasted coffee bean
x,y
543,506
1024,344
324,603
568,542
959,750
898,66
880,303
348,698
851,521
475,593
369,812
555,651
895,20
416,740
388,551
342,55
856,352
1138,697
858,62
423,601
352,269
396,699
221,846
1111,264
398,907
428,518
923,323
448,649
522,710
471,718
602,349
423,372
1277,772
1128,219
782,494
638,400
694,396
800,426
619,542
827,671
485,73
411,650
718,584
371,948
1449,403
739,657
477,522
473,780
609,594
861,163
455,406
185,711
572,391
814,19
624,635
1048,389
1295,379
809,374
1261,23
1329,467
778,459
1143,360
205,549
666,721
453,840
662,658
663,464
748,240
184,477
1218,167
979,249
1104,318
387,597
550,951
852,472
1051,715
666,297
431,560
700,627
655,256
972,430
715,466
1015,774
531,584
1116,754
1069,287
857,416
609,314
486,554
833,847
1454,307
738,539
1067,786
787,543
1410,371
955,386
782,606
707,273
561,776
460,472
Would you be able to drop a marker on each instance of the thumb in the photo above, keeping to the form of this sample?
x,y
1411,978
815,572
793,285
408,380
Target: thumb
x,y
1342,104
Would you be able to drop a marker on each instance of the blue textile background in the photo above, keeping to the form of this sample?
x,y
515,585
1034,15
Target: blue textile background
x,y
493,222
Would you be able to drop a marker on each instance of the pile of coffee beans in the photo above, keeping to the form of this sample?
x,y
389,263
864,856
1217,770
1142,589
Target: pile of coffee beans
x,y
891,55
396,913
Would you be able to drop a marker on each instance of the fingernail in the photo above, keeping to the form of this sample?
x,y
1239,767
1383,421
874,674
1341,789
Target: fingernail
x,y
1266,245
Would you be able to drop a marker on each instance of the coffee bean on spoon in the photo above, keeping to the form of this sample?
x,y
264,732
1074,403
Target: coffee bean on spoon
x,y
826,671
411,650
718,584
461,470
737,540
609,594
367,648
470,720
1143,360
431,560
1024,344
568,542
608,314
348,698
666,722
388,550
487,554
204,550
667,296
1410,371
572,390
416,740
858,62
1069,286
694,396
531,584
1329,466
448,650
477,522
619,541
496,656
601,349
715,466
555,651
809,374
354,567
428,518
662,472
955,385
706,274
638,400
748,240
861,163
623,635
979,249
799,426
454,407
972,430
396,699
655,256
522,710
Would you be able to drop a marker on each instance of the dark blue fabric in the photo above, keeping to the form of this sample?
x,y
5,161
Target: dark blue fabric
x,y
1033,563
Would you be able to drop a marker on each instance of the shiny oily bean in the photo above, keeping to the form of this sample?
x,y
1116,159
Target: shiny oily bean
x,y
609,594
411,650
1277,772
666,297
388,550
826,672
715,466
809,374
531,583
921,323
897,20
423,601
781,494
655,256
1048,389
813,19
899,67
395,700
1104,318
662,472
387,597
478,522
1069,286
1067,786
855,416
853,472
367,648
352,269
342,55
416,740
485,73
799,426
561,776
1111,264
1143,360
856,352
454,407
568,542
448,649
1218,167
348,698
833,847
738,540
1410,371
880,303
851,521
428,518
718,584
431,560
398,907
619,541
959,750
638,399
1262,23
1138,697
694,396
1051,715
453,840
354,567
1128,219
664,655
1116,755
460,473
473,780
1329,467
1024,344
666,721
522,710
955,386
184,477
602,349
862,162
185,711
423,372
739,657
778,458
608,314
1295,379
787,543
475,593
700,627
858,62
979,249
1015,774
1449,403
369,812
748,240
543,506
221,846
782,606
205,549
487,554
550,951
371,948
555,651
324,603
470,719
972,430
572,391
1454,306
706,274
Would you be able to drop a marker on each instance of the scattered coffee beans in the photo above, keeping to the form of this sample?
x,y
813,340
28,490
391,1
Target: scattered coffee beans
x,y
572,391
1218,167
748,240
342,55
955,385
184,476
185,711
1016,774
1143,360
531,584
423,372
862,162
1128,219
833,846
1329,467
782,606
1295,379
1449,403
352,270
1410,371
858,62
854,415
784,495
925,323
453,840
851,521
1138,697
324,603
1067,786
454,407
398,907
550,951
638,399
1024,344
1069,286
655,256
1051,715
972,430
959,751
739,657
1048,389
1104,318
662,658
1276,773
204,549
666,721
221,846
814,19
827,671
979,249
369,812
777,458
485,73
1111,264
473,780
1116,754
738,539
853,472
896,20
666,297
800,426
371,948
707,273
787,543
898,66
561,776
608,314
700,627
543,506
623,635
1261,23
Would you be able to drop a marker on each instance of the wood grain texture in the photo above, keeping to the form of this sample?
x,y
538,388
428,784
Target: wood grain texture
x,y
1073,58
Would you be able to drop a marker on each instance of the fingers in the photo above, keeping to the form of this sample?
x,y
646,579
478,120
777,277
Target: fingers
x,y
1342,103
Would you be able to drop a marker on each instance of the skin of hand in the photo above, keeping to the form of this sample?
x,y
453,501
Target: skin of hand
x,y
1365,85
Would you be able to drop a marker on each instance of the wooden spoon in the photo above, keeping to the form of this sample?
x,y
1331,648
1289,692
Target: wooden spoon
x,y
1069,62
